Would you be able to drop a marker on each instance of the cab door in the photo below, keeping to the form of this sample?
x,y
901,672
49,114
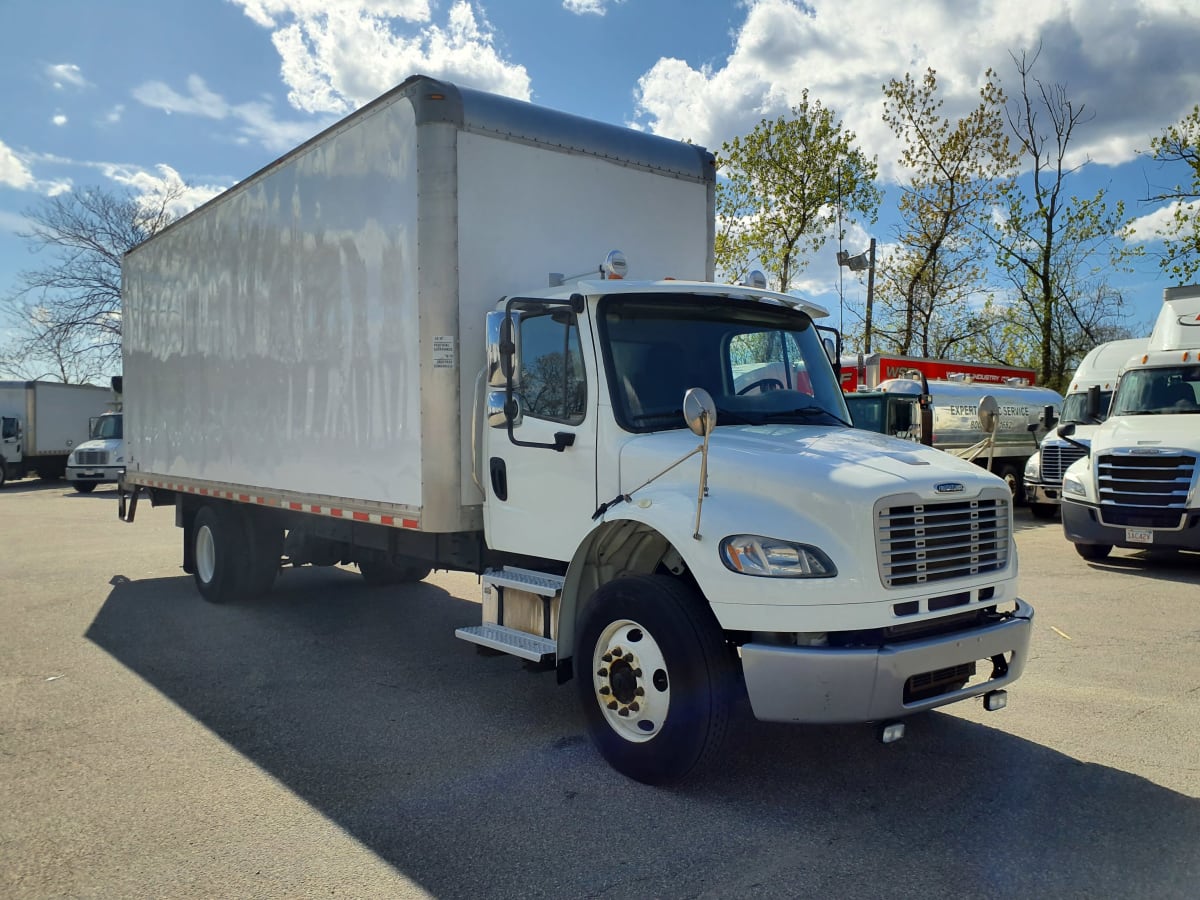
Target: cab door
x,y
540,460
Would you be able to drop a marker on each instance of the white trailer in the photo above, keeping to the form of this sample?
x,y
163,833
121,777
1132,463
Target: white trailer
x,y
1085,406
357,355
41,422
1138,482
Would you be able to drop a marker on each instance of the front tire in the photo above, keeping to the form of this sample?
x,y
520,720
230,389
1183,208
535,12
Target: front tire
x,y
659,692
380,572
1093,551
84,487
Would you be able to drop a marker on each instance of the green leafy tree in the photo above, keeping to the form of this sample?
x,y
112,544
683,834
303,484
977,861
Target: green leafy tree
x,y
1179,146
781,188
1054,248
956,172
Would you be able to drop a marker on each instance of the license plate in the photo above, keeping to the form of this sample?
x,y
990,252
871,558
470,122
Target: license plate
x,y
1139,535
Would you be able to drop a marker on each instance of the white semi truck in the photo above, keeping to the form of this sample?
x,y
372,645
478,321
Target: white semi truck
x,y
357,355
1138,483
1085,406
41,422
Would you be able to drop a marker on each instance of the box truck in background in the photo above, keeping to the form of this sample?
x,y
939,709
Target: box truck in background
x,y
41,422
865,373
1085,406
357,355
1136,485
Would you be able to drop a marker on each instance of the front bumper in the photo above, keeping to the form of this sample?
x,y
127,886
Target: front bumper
x,y
820,685
1082,525
96,474
1040,493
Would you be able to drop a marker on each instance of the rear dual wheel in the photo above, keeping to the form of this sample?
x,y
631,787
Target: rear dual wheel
x,y
235,555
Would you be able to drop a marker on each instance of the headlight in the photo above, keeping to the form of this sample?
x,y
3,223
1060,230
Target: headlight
x,y
1073,484
1033,468
752,554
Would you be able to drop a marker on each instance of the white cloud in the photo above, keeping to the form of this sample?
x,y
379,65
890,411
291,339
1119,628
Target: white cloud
x,y
64,74
14,223
336,56
256,119
148,187
1160,223
588,7
113,116
13,171
844,51
60,120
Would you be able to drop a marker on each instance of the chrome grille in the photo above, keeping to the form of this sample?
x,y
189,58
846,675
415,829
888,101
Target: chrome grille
x,y
1144,489
919,541
91,457
1056,459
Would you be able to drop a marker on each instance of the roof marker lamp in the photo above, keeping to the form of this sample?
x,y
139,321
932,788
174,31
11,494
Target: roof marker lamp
x,y
752,554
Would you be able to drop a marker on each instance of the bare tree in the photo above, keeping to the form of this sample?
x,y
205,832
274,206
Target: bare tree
x,y
1179,146
1056,249
67,313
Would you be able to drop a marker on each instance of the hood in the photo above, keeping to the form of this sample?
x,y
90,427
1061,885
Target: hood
x,y
1177,432
110,444
841,463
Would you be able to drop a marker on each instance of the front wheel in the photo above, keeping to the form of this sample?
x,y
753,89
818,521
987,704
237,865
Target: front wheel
x,y
1093,551
380,572
659,694
84,487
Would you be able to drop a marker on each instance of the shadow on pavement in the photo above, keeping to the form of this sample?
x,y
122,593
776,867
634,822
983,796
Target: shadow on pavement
x,y
473,777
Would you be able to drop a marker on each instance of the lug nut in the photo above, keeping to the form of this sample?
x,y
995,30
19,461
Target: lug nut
x,y
612,704
623,712
603,673
605,691
633,707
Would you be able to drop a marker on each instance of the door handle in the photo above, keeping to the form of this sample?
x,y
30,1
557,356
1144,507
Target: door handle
x,y
499,473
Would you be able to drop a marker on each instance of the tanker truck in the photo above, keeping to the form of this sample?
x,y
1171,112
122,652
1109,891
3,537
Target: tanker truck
x,y
997,426
408,345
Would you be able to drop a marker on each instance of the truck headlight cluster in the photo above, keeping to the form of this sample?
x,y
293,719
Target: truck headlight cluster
x,y
1033,468
1073,484
752,554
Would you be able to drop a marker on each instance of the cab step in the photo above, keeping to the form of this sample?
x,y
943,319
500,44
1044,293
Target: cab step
x,y
524,580
509,640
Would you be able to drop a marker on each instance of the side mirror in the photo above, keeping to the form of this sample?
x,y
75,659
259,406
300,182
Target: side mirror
x,y
831,351
1065,431
503,337
1092,408
1048,419
699,411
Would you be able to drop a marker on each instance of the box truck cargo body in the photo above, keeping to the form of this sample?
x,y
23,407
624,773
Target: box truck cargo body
x,y
407,345
42,422
1138,482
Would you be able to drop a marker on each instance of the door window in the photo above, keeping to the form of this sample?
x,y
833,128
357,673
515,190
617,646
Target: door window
x,y
553,383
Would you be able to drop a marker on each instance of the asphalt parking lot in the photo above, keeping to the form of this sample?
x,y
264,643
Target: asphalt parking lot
x,y
337,740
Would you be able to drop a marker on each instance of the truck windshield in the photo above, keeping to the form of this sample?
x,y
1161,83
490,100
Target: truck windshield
x,y
106,428
1161,391
762,364
1074,409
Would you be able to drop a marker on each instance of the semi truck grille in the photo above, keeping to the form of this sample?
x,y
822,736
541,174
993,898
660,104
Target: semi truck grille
x,y
91,457
919,541
1056,459
1144,491
1158,482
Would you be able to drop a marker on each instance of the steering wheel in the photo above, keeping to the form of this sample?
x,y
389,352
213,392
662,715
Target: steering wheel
x,y
767,384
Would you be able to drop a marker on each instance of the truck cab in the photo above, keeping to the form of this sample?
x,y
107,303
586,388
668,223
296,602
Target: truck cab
x,y
1137,484
101,458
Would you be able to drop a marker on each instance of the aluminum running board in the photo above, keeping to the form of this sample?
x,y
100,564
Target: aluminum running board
x,y
509,640
524,580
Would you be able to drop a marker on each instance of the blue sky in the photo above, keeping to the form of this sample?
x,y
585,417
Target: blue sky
x,y
132,93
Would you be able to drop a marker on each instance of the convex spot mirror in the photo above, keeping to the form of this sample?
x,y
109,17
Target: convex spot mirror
x,y
699,411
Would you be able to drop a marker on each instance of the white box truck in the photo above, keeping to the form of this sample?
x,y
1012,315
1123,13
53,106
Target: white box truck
x,y
357,355
41,422
1137,484
1085,406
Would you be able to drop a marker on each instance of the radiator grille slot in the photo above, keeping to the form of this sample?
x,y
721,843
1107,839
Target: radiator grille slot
x,y
927,541
91,457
